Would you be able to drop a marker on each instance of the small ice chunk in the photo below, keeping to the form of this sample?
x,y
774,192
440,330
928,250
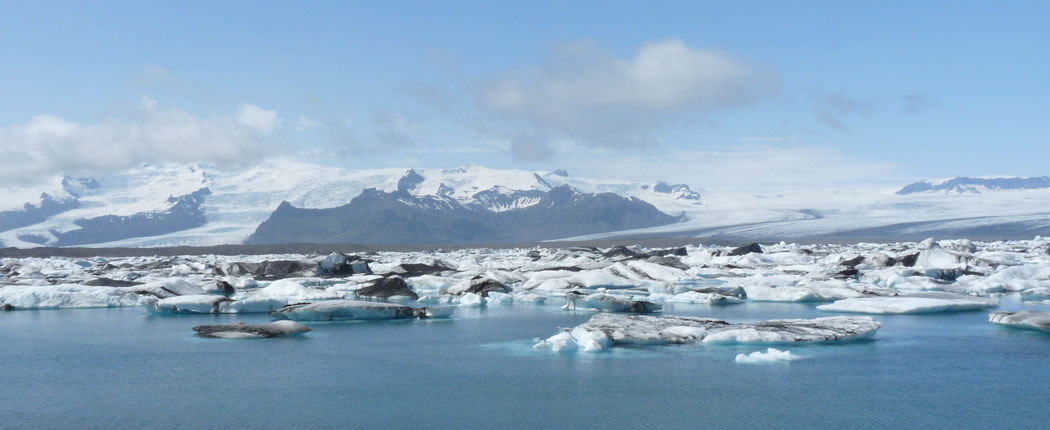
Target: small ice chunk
x,y
771,355
471,300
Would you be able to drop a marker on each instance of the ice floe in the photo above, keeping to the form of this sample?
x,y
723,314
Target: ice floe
x,y
911,304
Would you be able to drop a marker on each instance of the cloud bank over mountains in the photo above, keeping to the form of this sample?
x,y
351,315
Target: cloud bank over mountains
x,y
47,145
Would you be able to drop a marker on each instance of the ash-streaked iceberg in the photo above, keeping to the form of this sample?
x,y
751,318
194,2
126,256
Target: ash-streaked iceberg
x,y
606,330
250,331
609,303
1032,320
194,304
347,310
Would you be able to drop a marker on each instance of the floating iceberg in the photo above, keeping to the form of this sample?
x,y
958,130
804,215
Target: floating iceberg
x,y
1032,320
911,304
609,303
195,304
1038,294
471,300
246,331
772,355
605,330
167,288
704,298
66,296
345,310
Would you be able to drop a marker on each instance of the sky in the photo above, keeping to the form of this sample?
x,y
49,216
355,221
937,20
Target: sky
x,y
756,95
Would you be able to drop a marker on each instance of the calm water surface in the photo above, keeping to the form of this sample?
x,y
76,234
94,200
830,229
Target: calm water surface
x,y
107,368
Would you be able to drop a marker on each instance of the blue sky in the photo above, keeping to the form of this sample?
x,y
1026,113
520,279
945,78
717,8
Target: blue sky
x,y
798,93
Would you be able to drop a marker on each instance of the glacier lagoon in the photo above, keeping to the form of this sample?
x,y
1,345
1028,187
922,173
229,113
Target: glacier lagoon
x,y
124,367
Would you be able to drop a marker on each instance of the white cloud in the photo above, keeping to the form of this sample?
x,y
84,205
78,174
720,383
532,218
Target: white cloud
x,y
47,145
604,101
258,119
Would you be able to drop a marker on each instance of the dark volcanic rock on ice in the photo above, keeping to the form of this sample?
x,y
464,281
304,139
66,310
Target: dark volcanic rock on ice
x,y
386,288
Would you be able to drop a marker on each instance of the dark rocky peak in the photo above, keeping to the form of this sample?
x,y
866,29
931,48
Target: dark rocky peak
x,y
681,191
409,181
445,190
77,187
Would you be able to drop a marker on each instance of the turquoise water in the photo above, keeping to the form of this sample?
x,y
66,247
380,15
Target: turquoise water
x,y
125,368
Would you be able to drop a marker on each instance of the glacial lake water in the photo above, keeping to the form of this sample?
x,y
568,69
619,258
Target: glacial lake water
x,y
125,368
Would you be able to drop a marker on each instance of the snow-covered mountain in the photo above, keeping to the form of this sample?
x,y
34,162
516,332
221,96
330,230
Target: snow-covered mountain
x,y
198,205
968,185
174,205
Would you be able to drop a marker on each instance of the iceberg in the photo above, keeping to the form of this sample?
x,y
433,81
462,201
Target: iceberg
x,y
1038,294
246,331
917,303
606,330
65,296
772,355
195,304
704,298
471,300
1032,320
609,303
171,287
346,310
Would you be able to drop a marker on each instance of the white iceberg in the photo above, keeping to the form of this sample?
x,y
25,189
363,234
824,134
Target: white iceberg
x,y
911,304
606,330
771,355
471,300
1032,320
65,296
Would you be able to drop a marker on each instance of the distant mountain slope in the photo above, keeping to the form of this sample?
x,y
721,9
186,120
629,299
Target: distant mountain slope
x,y
185,213
140,207
967,185
377,217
